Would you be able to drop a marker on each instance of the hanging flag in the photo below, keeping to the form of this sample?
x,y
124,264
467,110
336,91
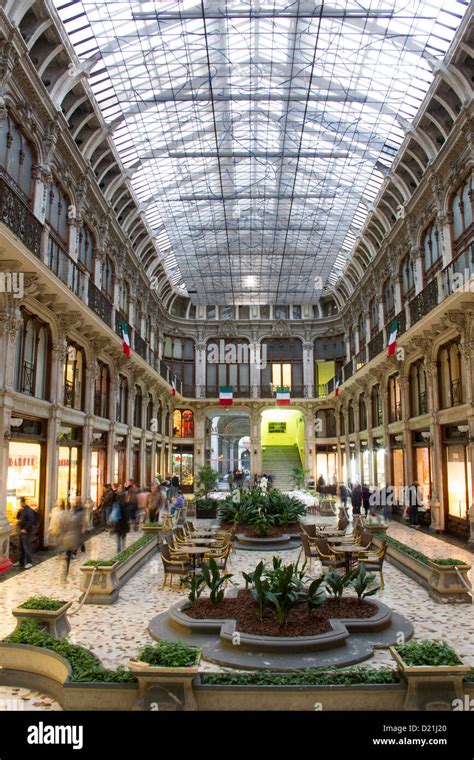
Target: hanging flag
x,y
226,395
392,338
336,385
125,338
283,396
173,388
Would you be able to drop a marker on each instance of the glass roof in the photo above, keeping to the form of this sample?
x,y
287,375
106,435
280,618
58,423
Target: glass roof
x,y
259,132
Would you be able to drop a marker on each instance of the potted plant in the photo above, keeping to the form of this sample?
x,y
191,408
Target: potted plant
x,y
167,658
51,612
299,477
433,672
206,481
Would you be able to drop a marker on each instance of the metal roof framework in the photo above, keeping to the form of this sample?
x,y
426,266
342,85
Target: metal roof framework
x,y
259,132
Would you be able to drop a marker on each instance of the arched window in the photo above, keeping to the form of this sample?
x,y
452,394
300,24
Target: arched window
x,y
283,366
102,390
329,357
137,407
374,317
449,375
74,374
394,398
325,423
16,156
431,252
85,248
377,414
122,399
350,409
57,213
125,299
362,412
183,423
179,356
107,278
407,277
149,411
228,364
462,209
342,422
388,297
32,359
418,398
138,317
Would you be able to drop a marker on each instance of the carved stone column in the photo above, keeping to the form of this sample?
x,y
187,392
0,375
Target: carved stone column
x,y
200,367
308,369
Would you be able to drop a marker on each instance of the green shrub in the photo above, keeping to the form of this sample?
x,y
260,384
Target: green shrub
x,y
122,556
169,654
255,507
85,666
470,676
307,677
42,603
428,652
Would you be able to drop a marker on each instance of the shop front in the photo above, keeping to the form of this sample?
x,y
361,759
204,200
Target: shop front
x,y
98,465
182,465
120,460
457,479
365,465
326,464
398,471
422,462
379,463
354,476
343,464
26,474
69,464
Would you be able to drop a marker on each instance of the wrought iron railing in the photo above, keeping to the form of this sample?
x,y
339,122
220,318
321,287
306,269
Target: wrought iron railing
x,y
119,318
16,215
376,345
61,264
27,378
361,358
140,346
320,391
348,370
99,304
424,302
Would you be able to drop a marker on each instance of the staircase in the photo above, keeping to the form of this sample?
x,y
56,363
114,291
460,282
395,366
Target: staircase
x,y
278,461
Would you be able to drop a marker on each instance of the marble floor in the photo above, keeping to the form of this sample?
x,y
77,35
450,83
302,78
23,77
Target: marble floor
x,y
114,633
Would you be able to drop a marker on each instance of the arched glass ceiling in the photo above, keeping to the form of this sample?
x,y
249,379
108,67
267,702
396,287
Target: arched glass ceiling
x,y
259,131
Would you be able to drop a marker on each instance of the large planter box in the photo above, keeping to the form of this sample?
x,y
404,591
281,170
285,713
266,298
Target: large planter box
x,y
431,687
165,688
443,582
56,620
102,584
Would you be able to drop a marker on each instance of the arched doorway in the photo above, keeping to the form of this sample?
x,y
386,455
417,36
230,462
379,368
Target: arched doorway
x,y
282,441
228,445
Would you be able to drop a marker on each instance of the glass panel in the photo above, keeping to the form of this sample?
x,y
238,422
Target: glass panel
x,y
24,468
456,481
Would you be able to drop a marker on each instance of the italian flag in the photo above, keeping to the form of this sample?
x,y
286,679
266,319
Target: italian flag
x,y
283,396
125,338
226,395
392,338
173,388
336,386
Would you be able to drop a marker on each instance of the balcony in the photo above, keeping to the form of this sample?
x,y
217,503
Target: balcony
x,y
361,358
119,318
376,345
99,304
424,302
320,391
140,346
239,391
348,370
16,215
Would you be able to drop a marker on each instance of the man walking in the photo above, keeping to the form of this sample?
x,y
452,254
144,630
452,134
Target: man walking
x,y
27,520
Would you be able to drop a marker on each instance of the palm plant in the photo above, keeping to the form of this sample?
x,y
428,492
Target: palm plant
x,y
299,477
207,480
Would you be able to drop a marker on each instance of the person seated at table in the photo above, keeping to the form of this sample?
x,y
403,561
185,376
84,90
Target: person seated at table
x,y
178,504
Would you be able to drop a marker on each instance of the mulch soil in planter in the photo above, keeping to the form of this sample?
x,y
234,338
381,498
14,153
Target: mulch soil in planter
x,y
243,610
279,530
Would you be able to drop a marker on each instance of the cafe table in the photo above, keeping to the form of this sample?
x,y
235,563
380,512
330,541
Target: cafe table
x,y
203,541
194,552
349,550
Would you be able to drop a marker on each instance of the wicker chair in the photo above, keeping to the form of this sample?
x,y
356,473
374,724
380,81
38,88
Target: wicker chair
x,y
172,566
326,555
373,561
310,552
